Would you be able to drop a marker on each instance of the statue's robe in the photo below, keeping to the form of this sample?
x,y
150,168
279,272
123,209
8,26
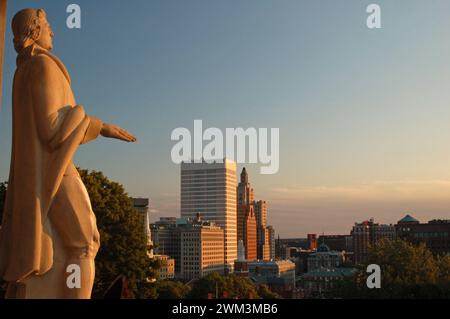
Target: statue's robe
x,y
48,127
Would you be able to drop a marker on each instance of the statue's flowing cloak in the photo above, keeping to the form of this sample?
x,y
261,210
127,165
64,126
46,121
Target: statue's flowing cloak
x,y
48,127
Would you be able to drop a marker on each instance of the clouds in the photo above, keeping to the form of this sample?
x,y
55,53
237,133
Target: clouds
x,y
164,205
374,191
298,210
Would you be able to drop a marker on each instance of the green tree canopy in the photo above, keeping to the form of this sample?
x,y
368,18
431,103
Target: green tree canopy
x,y
407,271
124,248
234,286
169,289
265,293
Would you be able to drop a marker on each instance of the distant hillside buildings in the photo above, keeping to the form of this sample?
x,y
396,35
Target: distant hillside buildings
x,y
318,269
435,234
223,228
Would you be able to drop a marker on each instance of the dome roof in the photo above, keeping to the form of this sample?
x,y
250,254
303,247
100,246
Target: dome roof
x,y
323,249
408,219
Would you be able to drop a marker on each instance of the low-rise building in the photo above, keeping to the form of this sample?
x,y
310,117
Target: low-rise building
x,y
278,275
317,282
435,234
196,245
202,249
337,242
325,267
167,269
325,258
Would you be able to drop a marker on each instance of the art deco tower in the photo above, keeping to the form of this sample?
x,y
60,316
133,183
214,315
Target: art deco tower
x,y
246,221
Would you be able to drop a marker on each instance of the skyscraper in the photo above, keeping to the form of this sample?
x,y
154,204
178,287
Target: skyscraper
x,y
210,189
271,242
246,220
263,233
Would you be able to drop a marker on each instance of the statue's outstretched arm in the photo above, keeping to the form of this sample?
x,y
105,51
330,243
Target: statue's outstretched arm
x,y
55,122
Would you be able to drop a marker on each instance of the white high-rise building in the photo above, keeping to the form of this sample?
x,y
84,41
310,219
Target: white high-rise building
x,y
210,190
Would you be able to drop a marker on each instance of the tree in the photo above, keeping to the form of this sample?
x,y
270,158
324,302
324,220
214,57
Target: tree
x,y
168,289
407,271
444,268
233,286
124,248
265,293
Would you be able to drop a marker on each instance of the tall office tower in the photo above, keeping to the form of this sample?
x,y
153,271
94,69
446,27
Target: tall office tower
x,y
261,213
250,237
210,189
271,242
245,192
246,219
280,248
263,234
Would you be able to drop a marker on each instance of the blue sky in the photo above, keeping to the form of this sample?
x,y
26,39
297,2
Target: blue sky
x,y
363,114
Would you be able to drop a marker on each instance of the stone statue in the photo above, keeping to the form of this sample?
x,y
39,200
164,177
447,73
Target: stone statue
x,y
48,221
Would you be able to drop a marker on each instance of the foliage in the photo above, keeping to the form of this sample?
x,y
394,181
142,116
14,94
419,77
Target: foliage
x,y
265,293
124,249
169,289
233,286
407,271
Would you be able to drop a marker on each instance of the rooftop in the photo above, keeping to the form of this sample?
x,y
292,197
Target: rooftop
x,y
334,272
408,219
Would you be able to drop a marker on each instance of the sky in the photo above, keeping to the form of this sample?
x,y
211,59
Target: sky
x,y
363,114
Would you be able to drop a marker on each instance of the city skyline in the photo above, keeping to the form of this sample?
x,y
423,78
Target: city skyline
x,y
363,114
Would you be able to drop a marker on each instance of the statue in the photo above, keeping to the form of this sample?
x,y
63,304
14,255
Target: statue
x,y
48,222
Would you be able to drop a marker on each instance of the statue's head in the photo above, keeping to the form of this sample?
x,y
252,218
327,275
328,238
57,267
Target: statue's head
x,y
30,26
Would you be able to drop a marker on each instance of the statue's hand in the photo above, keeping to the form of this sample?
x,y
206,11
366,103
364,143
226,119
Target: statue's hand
x,y
114,131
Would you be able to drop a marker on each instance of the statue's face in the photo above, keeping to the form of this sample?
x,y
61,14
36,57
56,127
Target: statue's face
x,y
46,35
